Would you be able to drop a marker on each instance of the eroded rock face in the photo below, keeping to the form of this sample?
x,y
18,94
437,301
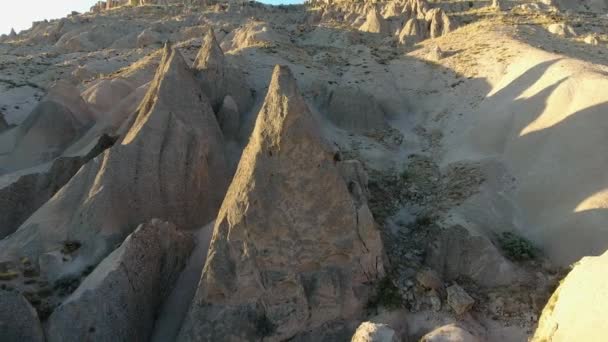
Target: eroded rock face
x,y
229,119
18,319
577,310
375,23
119,300
22,194
292,250
439,23
450,333
217,78
53,124
414,31
177,171
456,252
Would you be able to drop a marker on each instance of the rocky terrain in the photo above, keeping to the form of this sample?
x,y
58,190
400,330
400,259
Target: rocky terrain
x,y
402,170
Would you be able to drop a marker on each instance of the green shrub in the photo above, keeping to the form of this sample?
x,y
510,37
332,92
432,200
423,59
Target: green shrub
x,y
387,295
516,247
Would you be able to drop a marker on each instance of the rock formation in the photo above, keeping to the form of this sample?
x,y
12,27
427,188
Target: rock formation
x,y
439,23
577,310
23,193
217,78
53,124
177,173
18,319
414,31
375,23
292,250
120,299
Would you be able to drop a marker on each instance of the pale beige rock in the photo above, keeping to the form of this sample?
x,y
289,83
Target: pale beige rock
x,y
450,333
439,23
562,30
374,332
119,300
414,31
177,172
429,279
18,319
286,258
577,310
375,23
591,40
219,79
459,300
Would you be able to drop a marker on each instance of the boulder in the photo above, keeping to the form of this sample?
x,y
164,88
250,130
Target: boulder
x,y
375,23
591,40
450,333
18,319
456,252
562,30
177,172
218,79
292,251
459,300
414,31
578,309
352,109
439,23
374,332
429,279
119,300
229,119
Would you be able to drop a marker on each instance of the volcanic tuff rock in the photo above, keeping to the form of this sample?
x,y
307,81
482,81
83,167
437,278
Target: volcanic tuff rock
x,y
55,122
579,306
291,249
120,299
217,78
374,332
450,333
177,172
352,109
375,23
3,124
228,117
18,319
23,192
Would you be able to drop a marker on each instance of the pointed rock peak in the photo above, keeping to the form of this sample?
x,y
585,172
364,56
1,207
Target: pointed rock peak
x,y
210,55
284,112
13,33
173,75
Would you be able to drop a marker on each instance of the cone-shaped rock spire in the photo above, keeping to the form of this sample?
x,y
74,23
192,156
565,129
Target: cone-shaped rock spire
x,y
291,245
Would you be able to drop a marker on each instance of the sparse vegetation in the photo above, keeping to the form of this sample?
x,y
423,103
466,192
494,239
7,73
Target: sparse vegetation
x,y
264,326
387,295
516,247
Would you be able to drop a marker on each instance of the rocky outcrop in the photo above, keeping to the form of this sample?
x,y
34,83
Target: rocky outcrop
x,y
18,319
352,109
119,300
375,23
50,128
217,78
292,250
374,332
177,172
23,193
578,309
456,252
414,31
438,22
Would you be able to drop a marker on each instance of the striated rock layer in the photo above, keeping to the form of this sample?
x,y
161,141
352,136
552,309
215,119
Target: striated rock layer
x,y
292,250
